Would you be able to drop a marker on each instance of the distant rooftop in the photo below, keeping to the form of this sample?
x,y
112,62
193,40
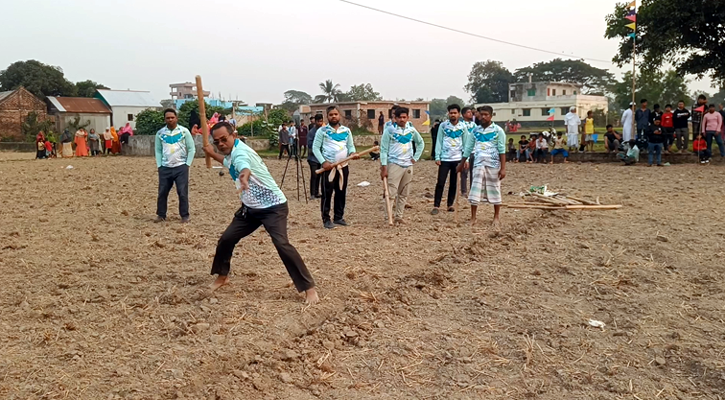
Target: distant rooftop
x,y
128,98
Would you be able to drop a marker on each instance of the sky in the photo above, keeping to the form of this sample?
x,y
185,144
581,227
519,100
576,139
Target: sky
x,y
256,50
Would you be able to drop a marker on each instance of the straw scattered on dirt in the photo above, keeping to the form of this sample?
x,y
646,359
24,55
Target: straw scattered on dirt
x,y
100,303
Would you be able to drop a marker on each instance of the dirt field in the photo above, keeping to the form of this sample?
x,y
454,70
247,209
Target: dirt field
x,y
100,303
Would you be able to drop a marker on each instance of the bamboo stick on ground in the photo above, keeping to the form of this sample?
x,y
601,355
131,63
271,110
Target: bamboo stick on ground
x,y
335,164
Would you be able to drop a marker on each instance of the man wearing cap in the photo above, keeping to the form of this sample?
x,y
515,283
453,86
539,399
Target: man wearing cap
x,y
572,122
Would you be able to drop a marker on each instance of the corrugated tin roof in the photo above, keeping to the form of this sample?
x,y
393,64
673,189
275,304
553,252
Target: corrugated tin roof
x,y
129,98
79,105
3,95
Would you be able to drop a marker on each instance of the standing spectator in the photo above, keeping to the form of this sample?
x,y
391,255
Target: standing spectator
x,y
588,142
95,143
107,141
175,151
572,123
66,140
381,123
467,115
434,138
668,127
312,124
312,160
627,122
80,140
642,116
40,146
682,130
449,150
283,141
711,128
611,140
697,112
292,130
656,140
303,140
542,149
655,114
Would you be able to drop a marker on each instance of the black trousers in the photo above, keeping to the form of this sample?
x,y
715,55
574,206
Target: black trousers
x,y
434,138
274,220
328,188
444,170
167,178
314,179
282,149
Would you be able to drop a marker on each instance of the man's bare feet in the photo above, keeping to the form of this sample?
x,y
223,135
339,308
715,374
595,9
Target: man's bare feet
x,y
311,296
496,224
219,282
473,222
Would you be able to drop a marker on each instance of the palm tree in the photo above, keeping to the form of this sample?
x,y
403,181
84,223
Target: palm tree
x,y
331,91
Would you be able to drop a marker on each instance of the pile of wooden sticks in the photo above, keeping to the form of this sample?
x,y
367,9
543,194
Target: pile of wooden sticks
x,y
559,202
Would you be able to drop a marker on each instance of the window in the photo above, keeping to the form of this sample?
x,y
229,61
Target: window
x,y
130,117
531,92
548,91
527,112
553,92
348,114
575,93
371,114
564,110
563,92
545,111
416,113
513,94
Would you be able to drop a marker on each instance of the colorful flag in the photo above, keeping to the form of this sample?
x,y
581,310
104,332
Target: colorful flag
x,y
700,109
552,111
632,26
633,4
632,18
632,35
427,112
550,118
426,123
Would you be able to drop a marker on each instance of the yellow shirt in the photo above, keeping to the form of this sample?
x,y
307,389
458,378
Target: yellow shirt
x,y
589,126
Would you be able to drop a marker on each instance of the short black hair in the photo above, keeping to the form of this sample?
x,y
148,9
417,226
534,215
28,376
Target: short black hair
x,y
438,120
702,97
681,101
523,136
330,108
711,106
488,109
632,143
170,110
657,106
465,110
541,135
454,107
643,101
225,125
400,111
609,126
668,105
511,139
318,117
376,143
312,118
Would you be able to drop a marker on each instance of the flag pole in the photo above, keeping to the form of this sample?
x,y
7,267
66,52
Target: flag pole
x,y
634,75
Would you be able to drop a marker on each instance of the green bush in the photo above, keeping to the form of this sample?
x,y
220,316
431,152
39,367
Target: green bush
x,y
148,122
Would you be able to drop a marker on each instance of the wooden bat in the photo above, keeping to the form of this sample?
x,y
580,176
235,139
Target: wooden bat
x,y
458,195
202,117
388,204
334,165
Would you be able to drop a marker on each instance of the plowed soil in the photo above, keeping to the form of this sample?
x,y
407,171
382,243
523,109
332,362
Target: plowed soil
x,y
97,302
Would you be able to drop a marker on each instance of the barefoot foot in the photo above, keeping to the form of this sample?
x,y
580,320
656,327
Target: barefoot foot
x,y
311,296
496,224
219,282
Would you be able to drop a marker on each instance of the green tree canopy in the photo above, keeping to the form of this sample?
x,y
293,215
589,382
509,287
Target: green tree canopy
x,y
488,82
362,92
297,97
192,108
438,107
658,88
592,80
717,98
40,79
688,35
88,88
148,122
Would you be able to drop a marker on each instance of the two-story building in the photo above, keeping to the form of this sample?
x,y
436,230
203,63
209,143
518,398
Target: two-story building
x,y
365,114
530,103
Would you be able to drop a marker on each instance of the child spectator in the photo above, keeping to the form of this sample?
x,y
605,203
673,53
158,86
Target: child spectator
x,y
611,140
699,145
523,149
631,156
656,140
542,149
532,149
668,127
375,155
40,146
588,142
512,153
655,115
48,148
559,148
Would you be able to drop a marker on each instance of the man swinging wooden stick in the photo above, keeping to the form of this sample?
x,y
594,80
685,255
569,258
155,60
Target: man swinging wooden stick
x,y
333,142
263,203
397,159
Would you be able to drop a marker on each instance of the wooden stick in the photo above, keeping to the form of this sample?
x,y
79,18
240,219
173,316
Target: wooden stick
x,y
597,207
335,164
565,207
455,211
388,204
202,117
591,203
548,199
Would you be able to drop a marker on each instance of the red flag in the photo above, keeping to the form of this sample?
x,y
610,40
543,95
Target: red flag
x,y
632,18
550,118
700,109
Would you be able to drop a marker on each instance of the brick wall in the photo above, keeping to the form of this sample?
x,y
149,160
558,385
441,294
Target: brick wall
x,y
359,112
13,111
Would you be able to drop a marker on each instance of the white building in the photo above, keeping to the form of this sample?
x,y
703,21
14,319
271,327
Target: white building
x,y
530,103
126,104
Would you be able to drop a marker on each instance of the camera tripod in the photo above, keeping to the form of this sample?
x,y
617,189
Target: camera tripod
x,y
300,171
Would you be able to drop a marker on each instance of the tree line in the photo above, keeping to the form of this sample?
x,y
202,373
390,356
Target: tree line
x,y
44,80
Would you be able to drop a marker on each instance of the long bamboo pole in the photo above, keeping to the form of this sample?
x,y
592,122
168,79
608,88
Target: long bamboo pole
x,y
202,117
634,78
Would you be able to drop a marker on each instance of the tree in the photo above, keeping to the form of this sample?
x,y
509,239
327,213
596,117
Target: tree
x,y
661,88
362,92
439,107
297,97
189,113
88,88
688,35
40,79
331,92
149,121
33,124
717,98
488,82
76,124
592,80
